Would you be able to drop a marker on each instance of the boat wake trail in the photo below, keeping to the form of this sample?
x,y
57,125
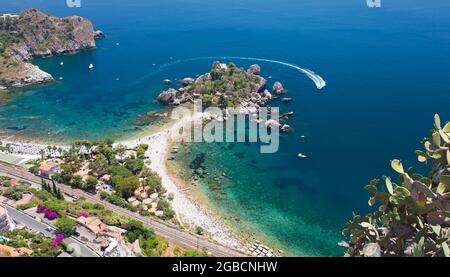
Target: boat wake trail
x,y
318,80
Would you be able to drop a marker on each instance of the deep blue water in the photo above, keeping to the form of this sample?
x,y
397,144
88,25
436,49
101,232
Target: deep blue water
x,y
386,70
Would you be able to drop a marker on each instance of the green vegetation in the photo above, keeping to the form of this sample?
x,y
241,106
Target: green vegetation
x,y
66,226
125,186
40,245
52,189
13,192
151,245
7,39
412,218
125,167
180,252
117,200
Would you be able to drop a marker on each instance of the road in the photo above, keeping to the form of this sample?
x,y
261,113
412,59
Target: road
x,y
31,223
170,233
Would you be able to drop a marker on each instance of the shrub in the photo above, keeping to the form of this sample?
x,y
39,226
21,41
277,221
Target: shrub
x,y
66,226
413,215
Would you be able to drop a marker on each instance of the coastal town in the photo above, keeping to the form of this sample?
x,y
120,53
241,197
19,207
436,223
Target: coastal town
x,y
130,175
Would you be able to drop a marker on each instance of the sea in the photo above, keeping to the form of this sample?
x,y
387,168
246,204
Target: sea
x,y
386,70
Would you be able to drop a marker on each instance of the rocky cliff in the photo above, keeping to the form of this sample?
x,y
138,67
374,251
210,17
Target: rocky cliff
x,y
33,34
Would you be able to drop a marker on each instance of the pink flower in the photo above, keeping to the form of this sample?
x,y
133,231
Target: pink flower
x,y
50,214
83,214
41,209
57,240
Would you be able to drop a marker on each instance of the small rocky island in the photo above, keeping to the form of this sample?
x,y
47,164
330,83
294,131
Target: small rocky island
x,y
227,86
33,34
224,86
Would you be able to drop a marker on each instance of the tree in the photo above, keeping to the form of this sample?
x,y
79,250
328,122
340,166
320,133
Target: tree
x,y
54,189
137,229
125,186
59,195
222,102
76,181
153,181
206,100
140,150
66,226
120,150
413,215
44,185
118,170
99,165
90,184
107,152
134,165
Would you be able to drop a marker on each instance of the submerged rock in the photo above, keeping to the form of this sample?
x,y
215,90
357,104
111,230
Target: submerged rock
x,y
286,128
99,34
278,88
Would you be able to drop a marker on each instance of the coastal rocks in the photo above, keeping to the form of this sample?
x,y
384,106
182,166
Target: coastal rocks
x,y
272,123
187,81
41,36
286,128
254,69
55,36
267,94
278,88
26,75
167,96
99,34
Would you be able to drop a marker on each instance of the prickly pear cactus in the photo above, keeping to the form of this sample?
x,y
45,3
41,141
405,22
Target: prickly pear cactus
x,y
413,217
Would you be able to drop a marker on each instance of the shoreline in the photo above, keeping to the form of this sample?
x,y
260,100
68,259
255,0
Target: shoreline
x,y
188,209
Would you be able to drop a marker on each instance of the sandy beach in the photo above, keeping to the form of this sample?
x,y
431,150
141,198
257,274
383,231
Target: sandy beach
x,y
188,210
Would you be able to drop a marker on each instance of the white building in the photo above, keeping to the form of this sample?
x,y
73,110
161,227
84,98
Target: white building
x,y
8,15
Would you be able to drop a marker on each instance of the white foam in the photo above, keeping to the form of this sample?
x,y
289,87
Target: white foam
x,y
318,80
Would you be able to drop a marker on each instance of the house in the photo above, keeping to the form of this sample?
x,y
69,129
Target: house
x,y
115,235
93,224
223,66
8,251
49,167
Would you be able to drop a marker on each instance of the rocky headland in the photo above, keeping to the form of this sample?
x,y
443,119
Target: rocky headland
x,y
33,34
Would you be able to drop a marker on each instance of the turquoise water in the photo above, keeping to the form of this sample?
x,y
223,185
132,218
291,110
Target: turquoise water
x,y
386,70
